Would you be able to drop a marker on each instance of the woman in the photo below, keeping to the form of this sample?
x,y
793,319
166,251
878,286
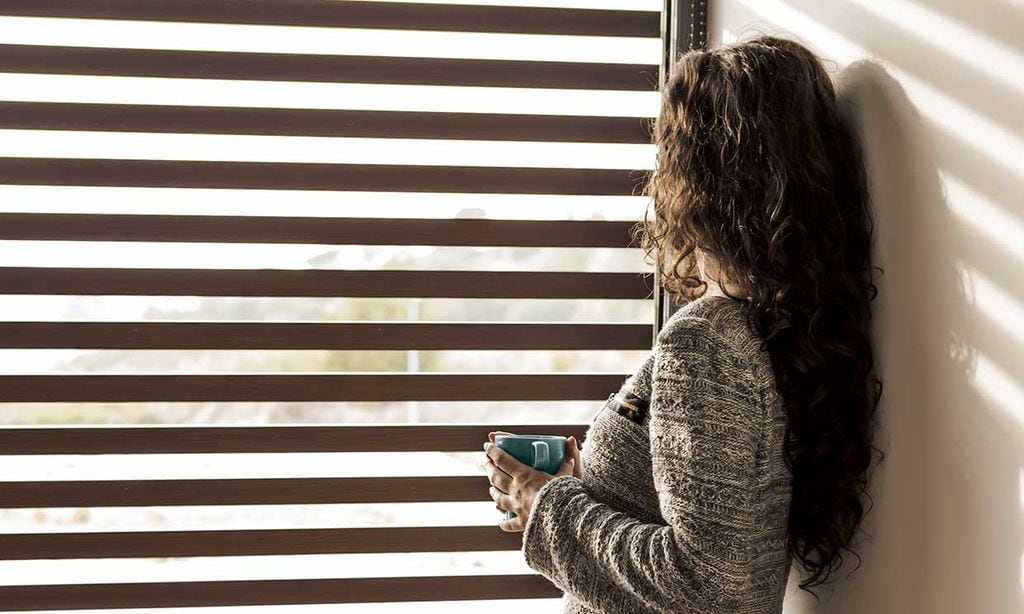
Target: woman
x,y
746,439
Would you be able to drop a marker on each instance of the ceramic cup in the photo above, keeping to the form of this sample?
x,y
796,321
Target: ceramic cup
x,y
542,452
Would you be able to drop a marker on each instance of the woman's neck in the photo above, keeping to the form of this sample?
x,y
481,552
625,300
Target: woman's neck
x,y
715,289
710,274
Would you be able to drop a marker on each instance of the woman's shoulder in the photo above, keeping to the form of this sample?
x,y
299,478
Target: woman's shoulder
x,y
712,335
712,318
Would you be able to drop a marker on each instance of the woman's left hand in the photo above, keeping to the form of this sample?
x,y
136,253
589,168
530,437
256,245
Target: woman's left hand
x,y
514,485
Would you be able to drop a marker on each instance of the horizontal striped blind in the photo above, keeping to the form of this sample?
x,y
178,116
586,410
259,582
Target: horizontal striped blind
x,y
161,153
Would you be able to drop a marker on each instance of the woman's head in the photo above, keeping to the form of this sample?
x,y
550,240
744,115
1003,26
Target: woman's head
x,y
759,173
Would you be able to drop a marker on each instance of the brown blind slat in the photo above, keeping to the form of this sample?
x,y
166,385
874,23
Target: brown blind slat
x,y
262,439
42,59
322,122
255,543
325,283
320,387
324,336
318,176
275,491
319,230
403,16
270,592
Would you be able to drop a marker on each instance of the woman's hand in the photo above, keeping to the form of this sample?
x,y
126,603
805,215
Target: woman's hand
x,y
572,451
514,485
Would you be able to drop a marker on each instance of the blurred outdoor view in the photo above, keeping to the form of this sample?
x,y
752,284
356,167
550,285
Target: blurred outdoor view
x,y
143,90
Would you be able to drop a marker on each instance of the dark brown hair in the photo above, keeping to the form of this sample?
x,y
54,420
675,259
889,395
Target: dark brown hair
x,y
759,168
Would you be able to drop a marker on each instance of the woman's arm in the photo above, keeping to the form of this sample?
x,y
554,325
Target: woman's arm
x,y
705,432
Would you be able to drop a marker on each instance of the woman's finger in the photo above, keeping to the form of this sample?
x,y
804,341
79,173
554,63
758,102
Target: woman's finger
x,y
493,434
503,501
506,462
568,468
512,525
498,478
573,452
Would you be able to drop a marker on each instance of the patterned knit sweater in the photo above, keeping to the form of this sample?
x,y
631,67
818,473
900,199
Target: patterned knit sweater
x,y
683,504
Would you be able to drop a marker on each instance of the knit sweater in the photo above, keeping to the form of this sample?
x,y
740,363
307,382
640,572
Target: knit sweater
x,y
683,503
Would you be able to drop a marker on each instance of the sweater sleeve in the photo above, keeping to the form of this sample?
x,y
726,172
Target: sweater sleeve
x,y
704,438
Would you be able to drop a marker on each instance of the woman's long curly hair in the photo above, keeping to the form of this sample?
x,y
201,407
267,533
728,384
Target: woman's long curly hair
x,y
759,168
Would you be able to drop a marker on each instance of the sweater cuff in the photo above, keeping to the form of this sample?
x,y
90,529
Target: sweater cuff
x,y
542,525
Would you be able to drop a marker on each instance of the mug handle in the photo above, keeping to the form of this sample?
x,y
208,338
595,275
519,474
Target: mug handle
x,y
541,454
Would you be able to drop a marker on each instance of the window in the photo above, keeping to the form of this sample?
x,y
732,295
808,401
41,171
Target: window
x,y
271,269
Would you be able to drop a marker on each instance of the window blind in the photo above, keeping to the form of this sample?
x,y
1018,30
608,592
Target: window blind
x,y
136,124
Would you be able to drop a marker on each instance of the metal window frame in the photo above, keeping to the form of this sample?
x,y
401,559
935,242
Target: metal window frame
x,y
684,27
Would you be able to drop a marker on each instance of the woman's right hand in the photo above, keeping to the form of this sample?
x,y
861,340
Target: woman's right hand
x,y
572,450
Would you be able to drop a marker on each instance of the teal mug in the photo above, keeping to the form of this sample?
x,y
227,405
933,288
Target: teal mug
x,y
542,452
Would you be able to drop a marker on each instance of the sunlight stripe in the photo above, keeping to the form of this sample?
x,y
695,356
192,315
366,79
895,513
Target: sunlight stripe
x,y
299,95
1001,388
302,203
334,150
324,40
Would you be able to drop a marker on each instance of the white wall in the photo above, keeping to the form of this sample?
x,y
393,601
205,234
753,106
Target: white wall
x,y
939,88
